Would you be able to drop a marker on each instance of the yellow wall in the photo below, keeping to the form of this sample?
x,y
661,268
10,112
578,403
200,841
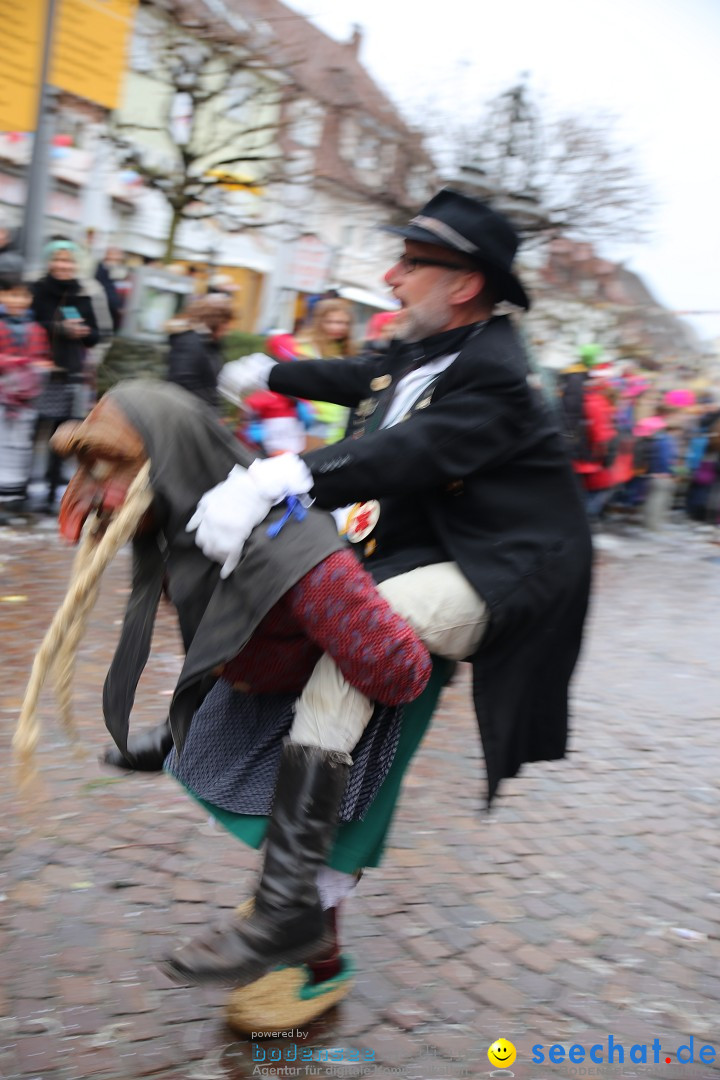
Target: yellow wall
x,y
246,301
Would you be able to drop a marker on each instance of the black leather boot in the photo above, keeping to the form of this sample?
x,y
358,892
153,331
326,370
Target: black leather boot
x,y
146,751
287,924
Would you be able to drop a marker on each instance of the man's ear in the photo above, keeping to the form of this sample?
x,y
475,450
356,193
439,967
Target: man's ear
x,y
468,287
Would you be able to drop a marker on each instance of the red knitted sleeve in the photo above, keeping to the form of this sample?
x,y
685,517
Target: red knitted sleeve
x,y
39,345
339,608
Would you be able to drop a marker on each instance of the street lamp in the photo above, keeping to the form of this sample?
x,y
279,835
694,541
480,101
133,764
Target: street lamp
x,y
523,208
502,170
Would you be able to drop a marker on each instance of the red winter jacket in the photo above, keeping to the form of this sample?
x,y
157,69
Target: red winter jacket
x,y
20,380
602,433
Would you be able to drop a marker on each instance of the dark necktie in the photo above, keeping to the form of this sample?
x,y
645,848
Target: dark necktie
x,y
413,354
404,357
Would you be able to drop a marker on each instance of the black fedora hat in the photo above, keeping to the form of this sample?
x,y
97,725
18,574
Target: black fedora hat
x,y
458,222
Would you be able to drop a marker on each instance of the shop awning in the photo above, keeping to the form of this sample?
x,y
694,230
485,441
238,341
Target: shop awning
x,y
368,299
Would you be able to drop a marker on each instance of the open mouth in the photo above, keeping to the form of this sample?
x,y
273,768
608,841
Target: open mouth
x,y
86,494
82,497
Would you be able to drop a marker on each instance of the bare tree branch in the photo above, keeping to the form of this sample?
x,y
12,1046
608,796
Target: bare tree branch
x,y
224,108
570,170
119,127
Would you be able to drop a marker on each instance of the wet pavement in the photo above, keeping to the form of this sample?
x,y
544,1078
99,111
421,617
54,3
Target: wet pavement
x,y
584,909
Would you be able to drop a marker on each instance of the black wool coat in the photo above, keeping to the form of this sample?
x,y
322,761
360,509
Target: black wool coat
x,y
478,475
194,361
50,297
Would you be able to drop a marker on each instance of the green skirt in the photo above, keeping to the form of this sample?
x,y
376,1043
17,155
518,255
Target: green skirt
x,y
359,843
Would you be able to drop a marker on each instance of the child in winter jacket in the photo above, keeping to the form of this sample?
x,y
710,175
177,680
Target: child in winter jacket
x,y
24,357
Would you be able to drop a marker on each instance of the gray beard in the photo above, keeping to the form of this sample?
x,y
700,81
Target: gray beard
x,y
423,321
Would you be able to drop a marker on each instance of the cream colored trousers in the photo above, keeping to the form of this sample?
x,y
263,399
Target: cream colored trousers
x,y
447,615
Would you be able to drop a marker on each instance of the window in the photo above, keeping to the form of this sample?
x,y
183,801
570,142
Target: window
x,y
306,122
368,154
349,135
417,183
388,157
143,51
242,94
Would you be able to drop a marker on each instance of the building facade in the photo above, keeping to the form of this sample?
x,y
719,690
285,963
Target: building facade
x,y
288,213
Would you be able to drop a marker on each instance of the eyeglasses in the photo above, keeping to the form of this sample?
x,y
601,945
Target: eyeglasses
x,y
409,263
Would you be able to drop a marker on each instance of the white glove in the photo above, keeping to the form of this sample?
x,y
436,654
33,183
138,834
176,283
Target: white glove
x,y
228,513
280,476
225,517
244,376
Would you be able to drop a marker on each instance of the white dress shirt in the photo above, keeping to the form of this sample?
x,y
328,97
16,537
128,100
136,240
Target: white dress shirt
x,y
411,386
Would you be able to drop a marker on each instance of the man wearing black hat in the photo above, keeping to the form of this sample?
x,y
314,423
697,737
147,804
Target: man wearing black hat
x,y
466,512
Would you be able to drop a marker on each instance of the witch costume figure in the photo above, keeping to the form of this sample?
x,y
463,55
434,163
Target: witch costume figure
x,y
252,640
465,508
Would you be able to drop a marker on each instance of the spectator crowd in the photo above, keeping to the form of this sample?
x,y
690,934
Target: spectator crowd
x,y
634,448
638,448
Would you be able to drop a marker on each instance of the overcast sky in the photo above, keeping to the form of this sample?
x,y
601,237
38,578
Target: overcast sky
x,y
656,63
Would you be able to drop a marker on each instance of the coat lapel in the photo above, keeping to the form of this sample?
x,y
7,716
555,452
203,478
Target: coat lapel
x,y
370,413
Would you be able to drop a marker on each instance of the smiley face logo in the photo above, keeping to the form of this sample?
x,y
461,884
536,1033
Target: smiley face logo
x,y
502,1053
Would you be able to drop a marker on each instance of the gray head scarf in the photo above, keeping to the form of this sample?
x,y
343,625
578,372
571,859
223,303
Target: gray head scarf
x,y
190,452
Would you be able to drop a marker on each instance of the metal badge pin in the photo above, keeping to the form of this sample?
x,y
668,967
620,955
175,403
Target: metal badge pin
x,y
366,408
361,520
381,383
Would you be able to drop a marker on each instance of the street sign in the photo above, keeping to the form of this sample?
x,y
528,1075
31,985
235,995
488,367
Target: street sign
x,y
21,46
88,57
89,51
309,264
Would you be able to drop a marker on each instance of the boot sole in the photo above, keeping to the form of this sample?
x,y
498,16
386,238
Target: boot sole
x,y
301,955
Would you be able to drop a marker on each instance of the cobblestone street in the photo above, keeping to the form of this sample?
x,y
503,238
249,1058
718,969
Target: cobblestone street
x,y
585,906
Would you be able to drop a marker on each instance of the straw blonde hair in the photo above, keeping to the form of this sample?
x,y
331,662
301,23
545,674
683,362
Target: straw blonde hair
x,y
324,345
58,651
